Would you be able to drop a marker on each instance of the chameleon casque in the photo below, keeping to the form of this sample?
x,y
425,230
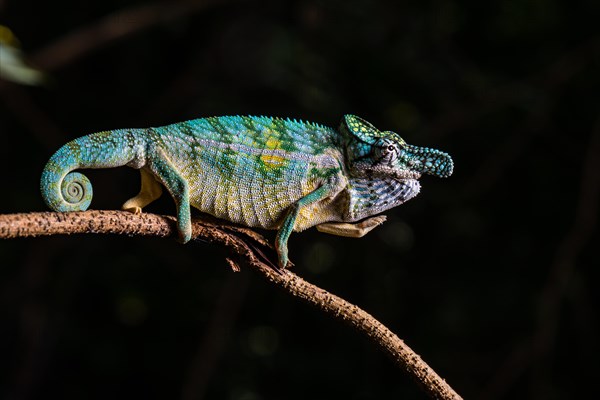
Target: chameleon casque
x,y
260,172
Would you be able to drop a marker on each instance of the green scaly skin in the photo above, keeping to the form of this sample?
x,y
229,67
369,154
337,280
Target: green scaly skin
x,y
256,171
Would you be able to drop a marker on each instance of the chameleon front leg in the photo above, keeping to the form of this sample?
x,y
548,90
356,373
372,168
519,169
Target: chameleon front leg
x,y
286,228
356,230
162,168
150,191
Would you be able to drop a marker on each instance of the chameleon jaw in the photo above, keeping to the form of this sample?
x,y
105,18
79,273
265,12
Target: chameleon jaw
x,y
405,175
386,171
370,197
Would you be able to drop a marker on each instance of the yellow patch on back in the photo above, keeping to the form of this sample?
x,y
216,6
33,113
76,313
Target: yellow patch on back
x,y
272,161
273,143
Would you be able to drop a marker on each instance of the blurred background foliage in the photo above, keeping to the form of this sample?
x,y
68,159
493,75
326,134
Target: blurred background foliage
x,y
489,275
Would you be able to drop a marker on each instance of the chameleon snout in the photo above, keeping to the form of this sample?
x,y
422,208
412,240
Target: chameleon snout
x,y
430,161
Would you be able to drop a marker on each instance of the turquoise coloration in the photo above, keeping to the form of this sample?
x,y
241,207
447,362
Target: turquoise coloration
x,y
257,171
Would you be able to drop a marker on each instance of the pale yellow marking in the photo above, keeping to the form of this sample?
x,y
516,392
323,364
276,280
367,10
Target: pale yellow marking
x,y
273,143
150,191
272,161
307,214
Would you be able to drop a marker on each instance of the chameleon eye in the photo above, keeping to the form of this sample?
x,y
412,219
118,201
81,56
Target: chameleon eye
x,y
393,153
386,152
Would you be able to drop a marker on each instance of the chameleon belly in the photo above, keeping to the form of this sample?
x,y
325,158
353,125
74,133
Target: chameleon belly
x,y
250,174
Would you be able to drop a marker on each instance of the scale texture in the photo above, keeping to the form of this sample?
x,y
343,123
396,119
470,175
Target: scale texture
x,y
261,172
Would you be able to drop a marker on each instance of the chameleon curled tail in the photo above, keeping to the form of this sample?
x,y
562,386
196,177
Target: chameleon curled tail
x,y
63,190
70,192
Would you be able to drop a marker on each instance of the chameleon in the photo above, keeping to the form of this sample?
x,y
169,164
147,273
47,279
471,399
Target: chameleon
x,y
261,172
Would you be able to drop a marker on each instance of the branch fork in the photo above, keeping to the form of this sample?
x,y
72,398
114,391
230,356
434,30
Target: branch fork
x,y
249,249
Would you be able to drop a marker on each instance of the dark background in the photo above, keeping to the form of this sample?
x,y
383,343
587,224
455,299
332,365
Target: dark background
x,y
490,275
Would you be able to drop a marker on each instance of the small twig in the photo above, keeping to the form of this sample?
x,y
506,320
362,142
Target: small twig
x,y
115,26
119,222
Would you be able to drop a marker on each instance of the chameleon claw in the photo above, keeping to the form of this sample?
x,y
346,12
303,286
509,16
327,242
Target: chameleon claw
x,y
134,210
372,222
283,262
185,235
282,256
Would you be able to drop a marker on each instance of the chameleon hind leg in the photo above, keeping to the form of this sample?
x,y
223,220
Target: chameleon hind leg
x,y
164,171
356,230
150,191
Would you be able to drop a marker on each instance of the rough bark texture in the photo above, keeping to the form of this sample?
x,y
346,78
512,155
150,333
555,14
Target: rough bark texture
x,y
249,248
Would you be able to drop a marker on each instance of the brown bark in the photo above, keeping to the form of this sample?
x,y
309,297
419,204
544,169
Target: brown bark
x,y
246,245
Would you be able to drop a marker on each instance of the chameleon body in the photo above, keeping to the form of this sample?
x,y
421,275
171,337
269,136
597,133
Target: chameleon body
x,y
261,172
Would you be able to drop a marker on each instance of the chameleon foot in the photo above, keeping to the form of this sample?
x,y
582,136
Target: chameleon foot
x,y
357,230
150,191
134,210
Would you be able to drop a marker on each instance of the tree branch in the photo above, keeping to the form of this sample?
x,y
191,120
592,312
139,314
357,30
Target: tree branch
x,y
246,244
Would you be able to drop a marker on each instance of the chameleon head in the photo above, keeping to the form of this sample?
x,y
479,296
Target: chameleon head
x,y
375,154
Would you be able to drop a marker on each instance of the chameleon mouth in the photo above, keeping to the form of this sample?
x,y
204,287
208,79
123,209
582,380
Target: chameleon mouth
x,y
410,175
399,174
405,175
